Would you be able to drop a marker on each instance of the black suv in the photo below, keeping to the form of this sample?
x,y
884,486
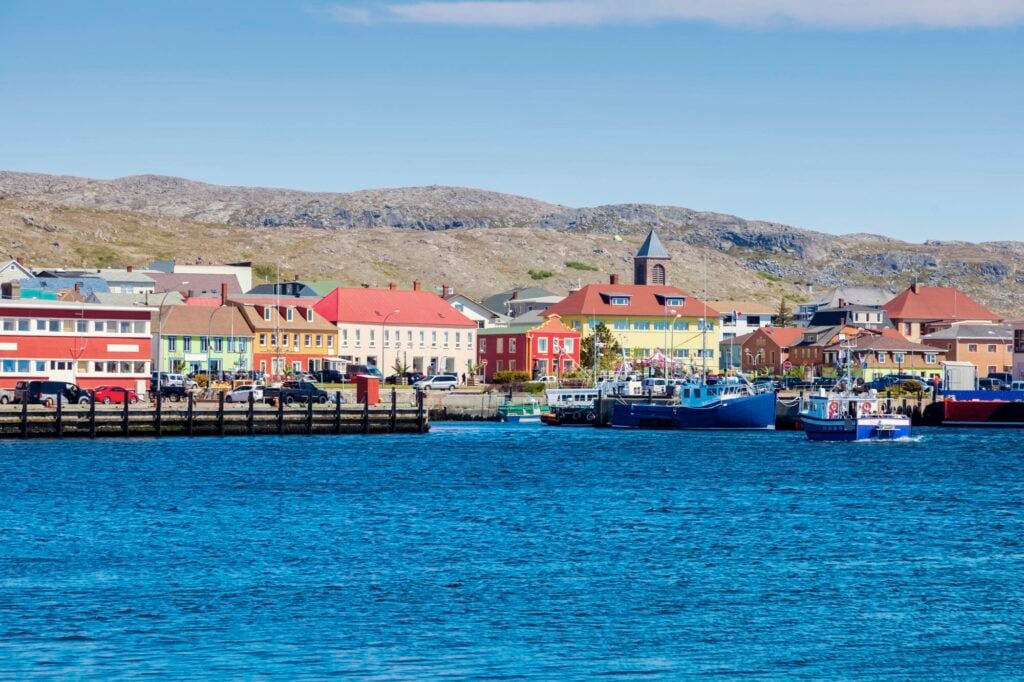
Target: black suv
x,y
46,392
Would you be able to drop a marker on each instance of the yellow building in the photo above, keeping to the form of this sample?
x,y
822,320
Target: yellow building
x,y
647,316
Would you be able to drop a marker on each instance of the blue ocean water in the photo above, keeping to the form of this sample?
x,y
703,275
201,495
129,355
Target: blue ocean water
x,y
493,551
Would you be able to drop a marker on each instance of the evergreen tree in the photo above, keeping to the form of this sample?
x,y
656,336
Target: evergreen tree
x,y
609,352
784,316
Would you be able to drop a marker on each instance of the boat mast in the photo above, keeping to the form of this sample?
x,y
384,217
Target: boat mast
x,y
704,326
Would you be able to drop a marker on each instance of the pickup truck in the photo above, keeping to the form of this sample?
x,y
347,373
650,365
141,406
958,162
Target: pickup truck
x,y
291,392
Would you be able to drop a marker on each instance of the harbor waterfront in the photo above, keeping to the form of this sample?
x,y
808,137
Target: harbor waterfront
x,y
499,550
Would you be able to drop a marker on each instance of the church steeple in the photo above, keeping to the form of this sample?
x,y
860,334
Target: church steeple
x,y
650,265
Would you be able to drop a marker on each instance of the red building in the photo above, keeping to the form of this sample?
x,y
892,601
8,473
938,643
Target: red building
x,y
547,348
83,343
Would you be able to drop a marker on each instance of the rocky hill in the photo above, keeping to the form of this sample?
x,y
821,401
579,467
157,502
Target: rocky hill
x,y
479,241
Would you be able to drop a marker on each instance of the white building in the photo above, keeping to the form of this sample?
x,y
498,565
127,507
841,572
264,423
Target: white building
x,y
739,318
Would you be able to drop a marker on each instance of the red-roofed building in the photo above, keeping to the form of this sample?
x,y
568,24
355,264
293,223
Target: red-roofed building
x,y
768,348
921,310
415,328
541,348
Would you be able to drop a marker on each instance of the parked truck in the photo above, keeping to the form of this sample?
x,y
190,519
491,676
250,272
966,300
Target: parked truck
x,y
291,392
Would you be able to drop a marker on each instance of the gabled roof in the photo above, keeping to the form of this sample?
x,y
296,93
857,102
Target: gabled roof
x,y
550,323
737,340
196,282
993,332
497,301
372,306
191,320
647,300
13,264
324,286
936,303
652,248
253,313
887,340
854,295
783,337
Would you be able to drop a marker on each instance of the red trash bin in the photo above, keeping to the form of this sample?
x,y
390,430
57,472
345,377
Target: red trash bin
x,y
367,388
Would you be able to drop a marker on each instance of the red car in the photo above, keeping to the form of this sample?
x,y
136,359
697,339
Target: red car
x,y
115,394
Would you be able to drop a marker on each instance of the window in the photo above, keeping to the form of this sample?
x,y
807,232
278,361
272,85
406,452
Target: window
x,y
285,338
658,274
899,358
511,345
204,344
373,336
263,340
469,339
446,339
512,365
458,339
319,340
621,325
929,358
675,301
289,314
542,345
500,345
186,344
972,348
991,348
907,329
40,325
330,341
568,344
172,344
661,326
273,340
422,337
619,300
266,314
54,325
23,325
309,314
433,337
359,335
483,345
125,328
40,366
408,336
218,344
705,326
641,325
680,326
307,340
497,366
882,357
754,320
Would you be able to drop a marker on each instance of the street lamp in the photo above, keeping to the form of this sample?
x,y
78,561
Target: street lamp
x,y
159,337
383,366
209,345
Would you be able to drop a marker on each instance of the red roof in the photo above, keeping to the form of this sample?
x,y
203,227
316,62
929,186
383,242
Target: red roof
x,y
649,300
417,308
936,303
784,337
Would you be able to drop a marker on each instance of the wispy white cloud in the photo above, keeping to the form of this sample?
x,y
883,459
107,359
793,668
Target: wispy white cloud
x,y
834,14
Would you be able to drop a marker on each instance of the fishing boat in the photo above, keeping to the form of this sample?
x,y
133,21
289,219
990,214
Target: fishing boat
x,y
525,413
843,416
732,404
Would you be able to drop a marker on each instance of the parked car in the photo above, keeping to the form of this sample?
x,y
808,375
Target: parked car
x,y
171,379
6,396
241,394
46,392
405,378
112,395
437,382
548,379
766,381
655,386
331,376
1005,377
990,384
1015,386
291,392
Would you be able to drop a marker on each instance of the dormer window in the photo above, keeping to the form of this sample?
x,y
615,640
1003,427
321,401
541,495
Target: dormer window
x,y
266,314
619,300
309,314
289,313
675,301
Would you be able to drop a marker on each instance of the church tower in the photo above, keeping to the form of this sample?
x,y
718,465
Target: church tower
x,y
650,265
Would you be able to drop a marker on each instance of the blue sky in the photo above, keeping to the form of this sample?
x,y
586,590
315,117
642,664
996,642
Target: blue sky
x,y
906,122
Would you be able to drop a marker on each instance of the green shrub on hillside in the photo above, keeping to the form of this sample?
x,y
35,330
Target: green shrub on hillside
x,y
576,265
540,274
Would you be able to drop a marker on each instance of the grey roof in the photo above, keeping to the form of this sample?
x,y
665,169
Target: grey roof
x,y
112,275
88,284
652,248
497,301
145,299
299,289
1002,332
197,283
855,295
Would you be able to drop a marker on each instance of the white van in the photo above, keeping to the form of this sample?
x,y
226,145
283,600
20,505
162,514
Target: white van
x,y
655,385
437,382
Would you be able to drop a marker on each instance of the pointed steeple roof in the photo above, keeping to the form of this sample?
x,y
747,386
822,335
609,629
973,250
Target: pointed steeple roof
x,y
652,248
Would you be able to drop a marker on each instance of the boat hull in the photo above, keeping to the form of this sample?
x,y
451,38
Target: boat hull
x,y
983,413
749,412
862,428
571,416
521,418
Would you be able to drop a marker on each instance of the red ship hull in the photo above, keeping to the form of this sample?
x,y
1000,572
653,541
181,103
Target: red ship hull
x,y
983,413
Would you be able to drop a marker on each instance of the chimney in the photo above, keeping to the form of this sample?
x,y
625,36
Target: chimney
x,y
392,286
515,294
613,279
129,268
20,260
11,290
190,294
416,286
78,287
916,287
842,302
446,291
223,293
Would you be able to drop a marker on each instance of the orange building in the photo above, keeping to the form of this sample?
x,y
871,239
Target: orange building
x,y
988,346
768,349
288,336
920,310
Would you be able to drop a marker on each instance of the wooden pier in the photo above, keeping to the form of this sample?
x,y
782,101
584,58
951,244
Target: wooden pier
x,y
192,419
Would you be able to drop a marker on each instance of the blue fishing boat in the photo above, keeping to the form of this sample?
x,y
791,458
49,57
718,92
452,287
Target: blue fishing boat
x,y
734,404
848,417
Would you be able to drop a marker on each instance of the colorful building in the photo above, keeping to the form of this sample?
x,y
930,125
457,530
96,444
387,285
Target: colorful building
x,y
289,336
83,343
879,353
1018,349
417,329
542,349
989,347
739,318
768,349
193,339
920,310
